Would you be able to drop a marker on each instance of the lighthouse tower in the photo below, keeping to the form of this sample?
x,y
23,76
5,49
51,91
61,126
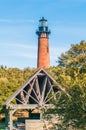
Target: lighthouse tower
x,y
43,32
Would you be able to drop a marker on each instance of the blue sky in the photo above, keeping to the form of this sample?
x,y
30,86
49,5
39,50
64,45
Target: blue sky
x,y
19,20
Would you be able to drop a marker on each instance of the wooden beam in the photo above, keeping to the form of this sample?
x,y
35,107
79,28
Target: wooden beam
x,y
50,85
19,100
38,88
35,94
28,93
34,99
22,96
41,74
29,106
11,120
47,94
44,88
50,97
23,106
52,88
31,97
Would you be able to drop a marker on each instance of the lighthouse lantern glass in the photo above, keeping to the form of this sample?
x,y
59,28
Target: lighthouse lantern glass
x,y
43,22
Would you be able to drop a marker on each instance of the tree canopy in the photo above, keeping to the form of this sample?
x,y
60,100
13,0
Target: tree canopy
x,y
70,74
75,56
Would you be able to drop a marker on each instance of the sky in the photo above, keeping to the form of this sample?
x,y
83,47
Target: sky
x,y
19,20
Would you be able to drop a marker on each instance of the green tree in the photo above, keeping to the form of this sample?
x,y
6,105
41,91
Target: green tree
x,y
10,80
71,75
74,57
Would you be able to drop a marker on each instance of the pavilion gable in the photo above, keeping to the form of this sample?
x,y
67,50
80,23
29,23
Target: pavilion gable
x,y
36,90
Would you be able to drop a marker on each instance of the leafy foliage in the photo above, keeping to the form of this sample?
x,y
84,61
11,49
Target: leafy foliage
x,y
10,80
70,74
75,56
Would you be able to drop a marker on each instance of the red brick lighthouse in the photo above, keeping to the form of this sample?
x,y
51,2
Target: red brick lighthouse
x,y
43,32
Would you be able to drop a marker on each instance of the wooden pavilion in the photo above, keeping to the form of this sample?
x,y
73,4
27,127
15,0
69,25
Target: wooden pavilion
x,y
36,92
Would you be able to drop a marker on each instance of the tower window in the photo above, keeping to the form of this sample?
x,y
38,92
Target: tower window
x,y
47,49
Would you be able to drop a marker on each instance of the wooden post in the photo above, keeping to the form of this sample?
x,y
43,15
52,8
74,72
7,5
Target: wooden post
x,y
11,121
11,112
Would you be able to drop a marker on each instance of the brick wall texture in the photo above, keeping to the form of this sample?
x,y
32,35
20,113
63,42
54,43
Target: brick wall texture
x,y
43,53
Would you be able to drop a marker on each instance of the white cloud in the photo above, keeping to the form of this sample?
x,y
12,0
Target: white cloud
x,y
3,20
18,50
19,45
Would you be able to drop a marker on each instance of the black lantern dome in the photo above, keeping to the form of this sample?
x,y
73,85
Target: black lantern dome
x,y
43,28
